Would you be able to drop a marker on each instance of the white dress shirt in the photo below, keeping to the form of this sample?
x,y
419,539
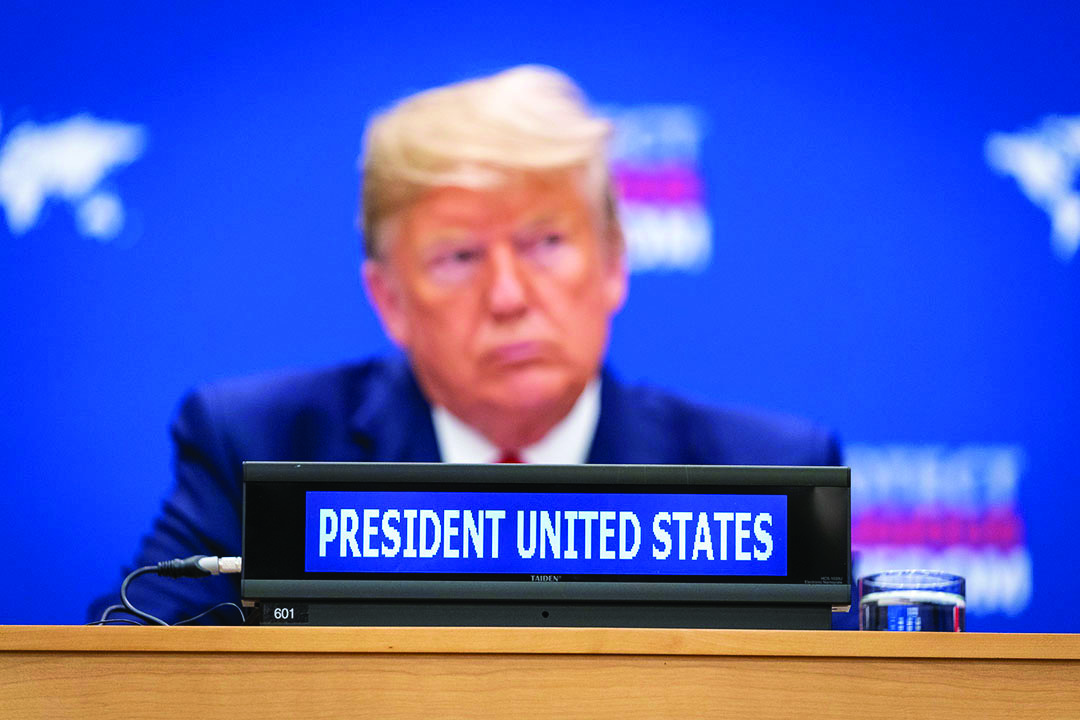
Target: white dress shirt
x,y
565,444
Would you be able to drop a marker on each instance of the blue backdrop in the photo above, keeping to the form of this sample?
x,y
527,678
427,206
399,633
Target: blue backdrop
x,y
864,215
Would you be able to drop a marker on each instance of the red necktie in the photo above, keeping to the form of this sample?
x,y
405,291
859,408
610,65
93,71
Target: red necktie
x,y
510,456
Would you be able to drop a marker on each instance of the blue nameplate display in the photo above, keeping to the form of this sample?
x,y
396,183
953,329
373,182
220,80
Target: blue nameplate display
x,y
546,533
514,544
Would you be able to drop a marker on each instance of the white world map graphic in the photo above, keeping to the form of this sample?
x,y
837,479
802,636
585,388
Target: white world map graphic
x,y
1045,161
66,160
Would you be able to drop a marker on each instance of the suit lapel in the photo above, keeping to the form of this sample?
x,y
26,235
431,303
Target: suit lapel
x,y
628,431
392,421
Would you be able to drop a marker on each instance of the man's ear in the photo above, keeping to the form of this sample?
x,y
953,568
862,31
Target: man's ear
x,y
616,276
384,292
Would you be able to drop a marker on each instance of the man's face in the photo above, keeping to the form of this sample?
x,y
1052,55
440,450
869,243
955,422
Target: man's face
x,y
502,298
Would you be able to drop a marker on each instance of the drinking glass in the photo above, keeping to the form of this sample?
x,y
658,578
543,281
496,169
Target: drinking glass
x,y
912,600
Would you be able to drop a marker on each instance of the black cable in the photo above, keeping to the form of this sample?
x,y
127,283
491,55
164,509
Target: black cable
x,y
127,603
126,621
109,611
194,566
243,617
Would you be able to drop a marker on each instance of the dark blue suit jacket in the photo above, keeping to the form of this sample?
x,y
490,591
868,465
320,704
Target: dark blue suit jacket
x,y
375,411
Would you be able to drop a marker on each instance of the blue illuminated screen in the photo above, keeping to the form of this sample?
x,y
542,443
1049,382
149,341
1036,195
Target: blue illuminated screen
x,y
546,533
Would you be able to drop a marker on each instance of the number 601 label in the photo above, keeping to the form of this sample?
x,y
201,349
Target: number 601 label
x,y
284,614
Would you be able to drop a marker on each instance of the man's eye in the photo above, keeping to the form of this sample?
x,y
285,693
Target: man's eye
x,y
458,256
454,266
465,255
542,241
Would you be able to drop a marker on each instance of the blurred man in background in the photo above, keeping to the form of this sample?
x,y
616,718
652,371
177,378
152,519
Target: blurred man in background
x,y
495,261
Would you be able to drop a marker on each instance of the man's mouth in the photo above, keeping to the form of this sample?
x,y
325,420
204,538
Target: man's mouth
x,y
517,353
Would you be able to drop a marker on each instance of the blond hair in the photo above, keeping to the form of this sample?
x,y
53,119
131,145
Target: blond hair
x,y
477,134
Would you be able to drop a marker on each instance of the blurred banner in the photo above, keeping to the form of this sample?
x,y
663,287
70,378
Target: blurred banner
x,y
868,216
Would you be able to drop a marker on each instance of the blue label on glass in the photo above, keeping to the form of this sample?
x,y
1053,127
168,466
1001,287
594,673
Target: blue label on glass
x,y
546,533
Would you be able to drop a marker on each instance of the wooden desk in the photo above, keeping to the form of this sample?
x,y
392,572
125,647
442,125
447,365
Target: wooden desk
x,y
253,672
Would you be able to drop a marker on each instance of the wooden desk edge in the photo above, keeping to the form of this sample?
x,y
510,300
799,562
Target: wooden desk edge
x,y
539,641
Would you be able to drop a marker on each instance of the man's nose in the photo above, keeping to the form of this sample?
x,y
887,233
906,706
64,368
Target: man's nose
x,y
507,294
